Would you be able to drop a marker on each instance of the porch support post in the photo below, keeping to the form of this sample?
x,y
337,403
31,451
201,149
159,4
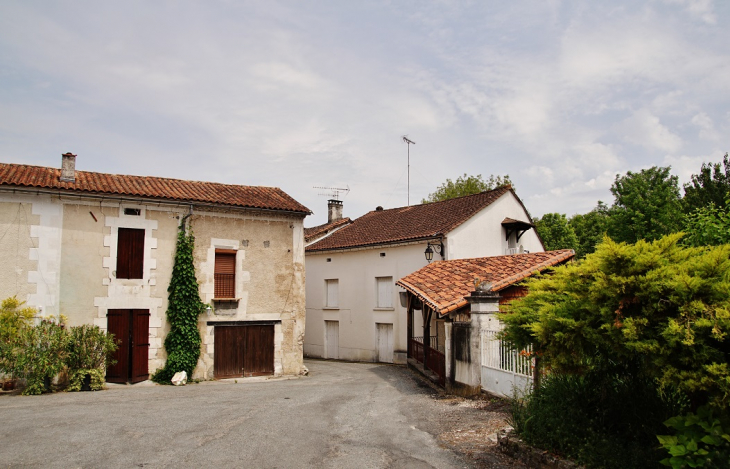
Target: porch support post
x,y
448,352
409,326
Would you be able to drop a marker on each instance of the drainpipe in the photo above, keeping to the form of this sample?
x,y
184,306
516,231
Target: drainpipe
x,y
190,213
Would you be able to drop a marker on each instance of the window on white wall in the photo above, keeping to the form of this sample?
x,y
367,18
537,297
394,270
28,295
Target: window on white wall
x,y
332,293
385,292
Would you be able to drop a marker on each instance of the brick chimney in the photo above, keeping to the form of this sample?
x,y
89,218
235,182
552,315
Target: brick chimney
x,y
334,210
68,167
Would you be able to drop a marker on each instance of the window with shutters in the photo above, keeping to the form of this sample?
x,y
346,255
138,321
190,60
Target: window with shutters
x,y
332,293
385,292
225,273
130,253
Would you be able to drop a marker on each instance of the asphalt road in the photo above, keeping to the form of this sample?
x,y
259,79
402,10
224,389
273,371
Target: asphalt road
x,y
342,415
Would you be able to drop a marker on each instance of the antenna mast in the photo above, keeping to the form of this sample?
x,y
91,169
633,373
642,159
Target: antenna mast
x,y
334,192
409,141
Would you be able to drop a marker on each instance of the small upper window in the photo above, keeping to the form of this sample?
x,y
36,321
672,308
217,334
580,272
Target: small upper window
x,y
385,292
135,212
332,293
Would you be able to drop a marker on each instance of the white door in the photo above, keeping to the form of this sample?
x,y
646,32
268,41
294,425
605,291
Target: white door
x,y
385,343
331,339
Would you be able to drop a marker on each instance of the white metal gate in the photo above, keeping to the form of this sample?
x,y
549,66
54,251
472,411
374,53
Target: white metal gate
x,y
504,370
332,339
385,343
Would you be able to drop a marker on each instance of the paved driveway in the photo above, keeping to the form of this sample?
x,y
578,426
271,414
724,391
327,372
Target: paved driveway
x,y
342,415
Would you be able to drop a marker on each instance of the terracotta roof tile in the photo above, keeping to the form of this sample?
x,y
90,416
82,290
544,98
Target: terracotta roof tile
x,y
444,285
268,198
409,223
321,230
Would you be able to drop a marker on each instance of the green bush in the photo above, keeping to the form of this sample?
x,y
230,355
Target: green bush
x,y
700,440
605,419
13,319
89,352
41,354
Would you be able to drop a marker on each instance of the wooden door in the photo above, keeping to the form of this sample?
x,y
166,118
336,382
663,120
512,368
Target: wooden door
x,y
118,324
228,351
243,350
140,345
131,332
385,342
332,339
258,355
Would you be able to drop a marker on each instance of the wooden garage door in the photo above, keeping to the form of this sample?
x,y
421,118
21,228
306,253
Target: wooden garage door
x,y
244,350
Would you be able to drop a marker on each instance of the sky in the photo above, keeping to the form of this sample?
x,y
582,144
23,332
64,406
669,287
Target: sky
x,y
560,95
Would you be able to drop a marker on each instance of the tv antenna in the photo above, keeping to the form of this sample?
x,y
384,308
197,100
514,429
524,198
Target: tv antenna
x,y
333,192
409,141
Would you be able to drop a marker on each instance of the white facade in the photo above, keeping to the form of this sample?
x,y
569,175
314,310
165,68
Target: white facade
x,y
362,323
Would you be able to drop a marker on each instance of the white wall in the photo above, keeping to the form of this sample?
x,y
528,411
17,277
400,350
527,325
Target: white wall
x,y
357,314
483,234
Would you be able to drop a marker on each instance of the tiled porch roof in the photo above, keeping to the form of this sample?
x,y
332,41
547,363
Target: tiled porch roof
x,y
444,285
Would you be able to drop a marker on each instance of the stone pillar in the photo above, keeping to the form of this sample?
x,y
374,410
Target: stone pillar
x,y
484,305
448,330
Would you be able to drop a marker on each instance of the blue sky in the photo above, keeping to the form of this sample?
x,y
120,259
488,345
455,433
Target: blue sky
x,y
560,95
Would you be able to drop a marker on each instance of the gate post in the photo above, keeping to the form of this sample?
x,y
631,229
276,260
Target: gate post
x,y
484,304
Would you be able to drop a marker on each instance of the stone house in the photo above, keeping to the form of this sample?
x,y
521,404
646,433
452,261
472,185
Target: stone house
x,y
353,307
453,329
99,248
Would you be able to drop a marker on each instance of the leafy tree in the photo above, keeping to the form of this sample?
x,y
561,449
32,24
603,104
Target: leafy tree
x,y
646,206
708,226
589,228
466,185
183,341
555,232
658,309
710,186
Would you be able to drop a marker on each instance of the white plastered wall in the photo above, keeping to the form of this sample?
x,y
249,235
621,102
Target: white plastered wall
x,y
483,234
357,313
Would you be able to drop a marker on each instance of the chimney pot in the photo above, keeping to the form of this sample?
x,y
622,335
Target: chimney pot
x,y
68,167
334,210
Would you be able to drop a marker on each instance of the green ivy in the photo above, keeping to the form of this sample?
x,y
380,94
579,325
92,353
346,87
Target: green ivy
x,y
699,441
183,308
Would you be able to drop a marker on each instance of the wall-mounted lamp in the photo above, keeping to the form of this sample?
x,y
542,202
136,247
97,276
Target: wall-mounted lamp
x,y
431,247
208,309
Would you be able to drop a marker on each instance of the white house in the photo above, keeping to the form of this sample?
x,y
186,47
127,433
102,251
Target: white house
x,y
353,309
99,249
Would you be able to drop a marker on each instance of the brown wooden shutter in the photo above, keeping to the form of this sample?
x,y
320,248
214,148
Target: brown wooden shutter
x,y
130,253
118,325
140,345
225,273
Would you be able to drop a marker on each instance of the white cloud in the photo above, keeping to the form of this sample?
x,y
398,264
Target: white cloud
x,y
643,128
702,9
706,126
